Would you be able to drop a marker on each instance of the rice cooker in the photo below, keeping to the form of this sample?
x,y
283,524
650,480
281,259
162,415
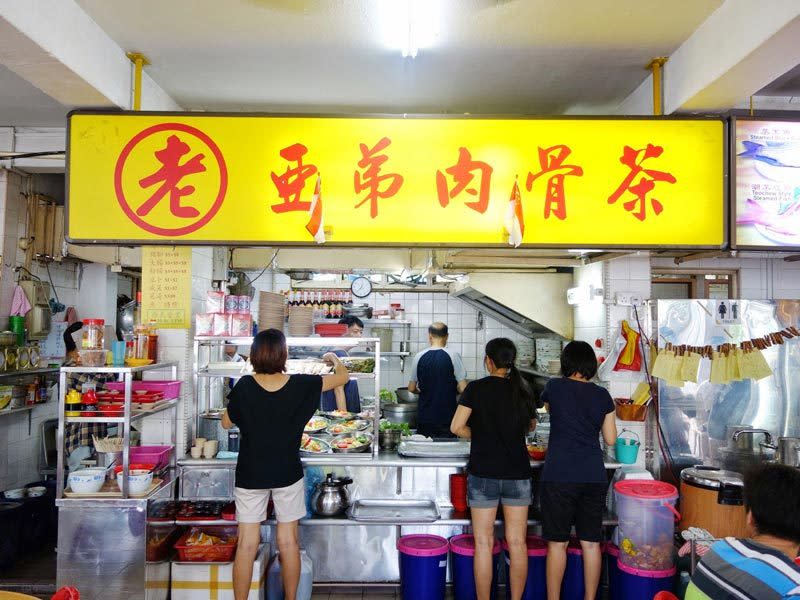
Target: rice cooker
x,y
713,499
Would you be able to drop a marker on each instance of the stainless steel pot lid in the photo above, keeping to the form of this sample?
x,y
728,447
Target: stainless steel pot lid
x,y
712,478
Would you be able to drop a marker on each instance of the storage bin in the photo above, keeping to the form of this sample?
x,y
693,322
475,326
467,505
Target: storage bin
x,y
573,586
304,586
647,516
10,520
423,567
153,455
536,584
170,389
462,559
203,581
639,583
610,558
215,553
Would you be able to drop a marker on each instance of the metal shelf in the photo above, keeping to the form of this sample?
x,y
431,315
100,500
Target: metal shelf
x,y
16,410
120,370
24,372
236,374
292,342
138,415
367,322
400,354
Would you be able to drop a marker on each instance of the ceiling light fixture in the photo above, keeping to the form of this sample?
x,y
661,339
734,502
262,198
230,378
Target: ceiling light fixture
x,y
410,25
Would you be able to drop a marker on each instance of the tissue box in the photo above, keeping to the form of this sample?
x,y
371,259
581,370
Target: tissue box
x,y
214,581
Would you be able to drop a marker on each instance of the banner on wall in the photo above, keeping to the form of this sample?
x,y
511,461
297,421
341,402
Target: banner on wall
x,y
250,180
167,286
766,183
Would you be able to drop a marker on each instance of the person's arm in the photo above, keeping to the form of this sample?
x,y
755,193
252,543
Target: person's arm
x,y
226,420
532,426
412,383
231,414
341,398
459,426
609,428
459,371
340,374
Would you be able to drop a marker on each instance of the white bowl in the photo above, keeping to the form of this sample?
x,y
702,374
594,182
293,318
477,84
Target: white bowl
x,y
36,491
86,481
15,494
138,481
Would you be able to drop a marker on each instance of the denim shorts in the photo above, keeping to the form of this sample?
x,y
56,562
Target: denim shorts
x,y
483,492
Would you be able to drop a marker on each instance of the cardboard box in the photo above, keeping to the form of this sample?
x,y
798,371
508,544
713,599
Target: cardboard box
x,y
214,581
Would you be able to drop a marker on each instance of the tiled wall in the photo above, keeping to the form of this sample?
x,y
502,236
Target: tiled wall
x,y
422,309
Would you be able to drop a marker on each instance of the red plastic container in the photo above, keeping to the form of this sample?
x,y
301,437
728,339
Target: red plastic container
x,y
170,389
135,467
157,455
458,491
331,329
215,553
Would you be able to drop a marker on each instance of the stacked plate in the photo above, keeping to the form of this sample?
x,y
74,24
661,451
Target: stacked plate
x,y
271,311
301,321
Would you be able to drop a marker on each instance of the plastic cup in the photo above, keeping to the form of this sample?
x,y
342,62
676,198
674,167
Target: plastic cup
x,y
196,452
198,442
210,448
118,353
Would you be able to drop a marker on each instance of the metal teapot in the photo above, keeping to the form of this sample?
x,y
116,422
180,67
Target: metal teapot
x,y
331,497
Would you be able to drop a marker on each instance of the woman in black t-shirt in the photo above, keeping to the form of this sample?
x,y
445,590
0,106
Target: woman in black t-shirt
x,y
271,410
496,413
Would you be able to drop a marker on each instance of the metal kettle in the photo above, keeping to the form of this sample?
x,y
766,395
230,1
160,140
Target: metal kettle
x,y
331,497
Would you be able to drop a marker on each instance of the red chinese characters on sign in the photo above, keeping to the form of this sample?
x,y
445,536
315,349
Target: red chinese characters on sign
x,y
170,175
176,152
551,162
290,184
377,185
633,159
463,174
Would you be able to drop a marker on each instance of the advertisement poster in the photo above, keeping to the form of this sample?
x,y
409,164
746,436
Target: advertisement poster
x,y
767,184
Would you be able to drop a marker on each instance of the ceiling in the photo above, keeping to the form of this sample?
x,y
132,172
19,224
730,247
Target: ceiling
x,y
22,104
485,56
786,85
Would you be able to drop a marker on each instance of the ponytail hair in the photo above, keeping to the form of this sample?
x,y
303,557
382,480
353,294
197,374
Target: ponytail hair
x,y
503,354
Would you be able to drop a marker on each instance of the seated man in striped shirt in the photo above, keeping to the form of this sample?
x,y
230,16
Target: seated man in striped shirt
x,y
761,567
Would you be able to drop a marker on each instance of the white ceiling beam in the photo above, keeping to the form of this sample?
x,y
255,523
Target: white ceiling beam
x,y
741,47
56,46
34,139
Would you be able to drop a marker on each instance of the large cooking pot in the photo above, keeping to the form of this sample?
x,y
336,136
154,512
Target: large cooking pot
x,y
713,499
401,413
331,497
406,397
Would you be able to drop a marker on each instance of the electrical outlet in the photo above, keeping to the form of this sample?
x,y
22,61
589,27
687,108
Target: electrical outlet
x,y
628,299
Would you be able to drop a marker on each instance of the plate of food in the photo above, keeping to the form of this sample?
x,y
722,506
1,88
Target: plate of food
x,y
341,415
359,364
347,427
352,443
308,366
312,445
316,424
537,451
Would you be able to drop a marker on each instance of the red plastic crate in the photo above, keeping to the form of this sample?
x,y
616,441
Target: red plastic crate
x,y
216,553
170,389
331,329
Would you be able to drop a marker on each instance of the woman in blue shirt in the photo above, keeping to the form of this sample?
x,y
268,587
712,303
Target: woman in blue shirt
x,y
574,482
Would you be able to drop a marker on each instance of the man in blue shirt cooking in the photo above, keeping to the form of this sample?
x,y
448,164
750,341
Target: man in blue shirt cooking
x,y
438,376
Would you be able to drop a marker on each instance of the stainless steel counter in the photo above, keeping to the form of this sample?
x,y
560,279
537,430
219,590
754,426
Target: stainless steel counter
x,y
384,459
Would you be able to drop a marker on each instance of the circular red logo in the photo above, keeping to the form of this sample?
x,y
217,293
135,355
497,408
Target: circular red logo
x,y
177,160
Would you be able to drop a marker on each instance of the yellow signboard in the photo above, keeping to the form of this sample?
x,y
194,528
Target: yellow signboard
x,y
185,178
167,286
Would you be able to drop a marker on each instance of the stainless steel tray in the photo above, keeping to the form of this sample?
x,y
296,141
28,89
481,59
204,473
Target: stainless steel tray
x,y
394,511
459,449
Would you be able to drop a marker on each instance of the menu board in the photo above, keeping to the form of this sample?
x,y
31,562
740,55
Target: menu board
x,y
167,286
767,184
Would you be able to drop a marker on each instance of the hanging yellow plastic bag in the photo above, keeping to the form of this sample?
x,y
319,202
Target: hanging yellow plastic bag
x,y
662,365
717,368
761,368
691,365
630,358
641,394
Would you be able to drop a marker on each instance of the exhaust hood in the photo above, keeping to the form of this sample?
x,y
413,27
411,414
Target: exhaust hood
x,y
533,304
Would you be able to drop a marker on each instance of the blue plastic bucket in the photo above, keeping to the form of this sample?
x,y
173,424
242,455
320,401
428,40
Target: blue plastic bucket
x,y
638,583
536,584
610,558
423,567
572,586
462,560
627,448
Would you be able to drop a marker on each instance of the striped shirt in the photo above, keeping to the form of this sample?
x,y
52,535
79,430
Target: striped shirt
x,y
744,570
